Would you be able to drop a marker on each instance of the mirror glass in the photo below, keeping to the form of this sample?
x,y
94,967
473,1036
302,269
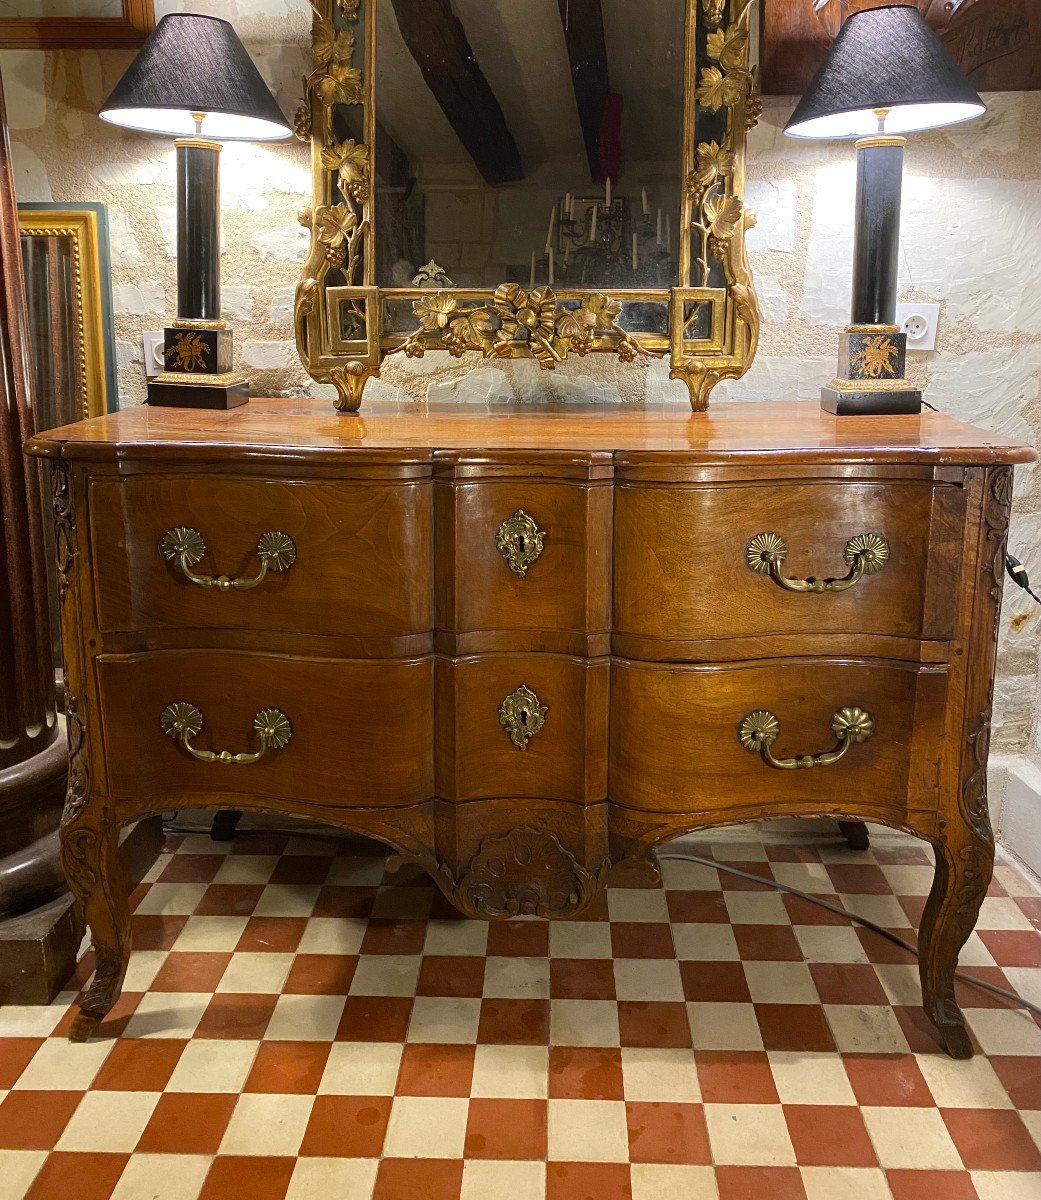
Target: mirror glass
x,y
499,126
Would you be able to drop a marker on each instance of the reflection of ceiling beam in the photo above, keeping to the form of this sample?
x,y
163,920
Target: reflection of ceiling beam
x,y
583,22
438,43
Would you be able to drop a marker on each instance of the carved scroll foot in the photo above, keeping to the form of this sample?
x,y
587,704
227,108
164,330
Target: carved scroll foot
x,y
90,857
963,871
350,382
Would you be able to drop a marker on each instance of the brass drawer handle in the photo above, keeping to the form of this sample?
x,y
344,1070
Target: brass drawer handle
x,y
760,729
185,547
522,715
183,721
865,554
520,542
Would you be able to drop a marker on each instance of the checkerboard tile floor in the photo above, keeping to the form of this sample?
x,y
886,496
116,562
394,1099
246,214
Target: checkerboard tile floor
x,y
300,1024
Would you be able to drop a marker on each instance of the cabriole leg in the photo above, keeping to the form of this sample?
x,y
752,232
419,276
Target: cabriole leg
x,y
90,856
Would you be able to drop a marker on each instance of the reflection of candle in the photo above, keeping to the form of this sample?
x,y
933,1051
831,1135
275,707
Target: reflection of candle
x,y
532,284
551,266
592,226
552,221
567,204
646,204
668,233
636,259
571,209
659,227
609,191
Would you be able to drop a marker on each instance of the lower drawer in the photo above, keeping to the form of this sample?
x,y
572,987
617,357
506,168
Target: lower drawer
x,y
676,742
361,731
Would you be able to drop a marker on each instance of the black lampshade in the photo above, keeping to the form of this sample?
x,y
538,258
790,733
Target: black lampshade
x,y
196,64
888,58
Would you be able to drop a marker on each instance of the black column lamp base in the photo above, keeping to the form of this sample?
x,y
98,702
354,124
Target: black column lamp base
x,y
198,374
165,394
870,379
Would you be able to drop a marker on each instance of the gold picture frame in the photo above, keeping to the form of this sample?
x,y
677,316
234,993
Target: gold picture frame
x,y
80,33
713,320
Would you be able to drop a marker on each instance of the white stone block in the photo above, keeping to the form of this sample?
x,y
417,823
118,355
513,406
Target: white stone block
x,y
774,301
281,312
139,299
268,356
25,93
237,302
123,244
285,243
30,175
774,202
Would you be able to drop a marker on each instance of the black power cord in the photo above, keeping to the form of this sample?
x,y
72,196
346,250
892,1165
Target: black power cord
x,y
1018,574
842,912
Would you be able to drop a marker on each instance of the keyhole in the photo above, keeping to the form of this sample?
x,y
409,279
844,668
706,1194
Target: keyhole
x,y
524,716
522,544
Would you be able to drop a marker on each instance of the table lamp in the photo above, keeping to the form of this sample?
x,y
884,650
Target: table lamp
x,y
886,75
193,80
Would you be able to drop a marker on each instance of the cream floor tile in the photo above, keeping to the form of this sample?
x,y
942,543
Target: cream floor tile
x,y
738,850
426,1127
162,1177
829,943
143,967
749,1135
1002,912
756,908
900,982
688,876
445,1019
30,1020
883,910
845,1183
356,872
803,1078
60,1065
1025,982
583,1023
517,1180
361,1069
256,972
157,868
724,1026
967,1084
588,1131
108,1122
637,904
664,1181
202,843
456,937
1006,1185
333,1179
210,1065
246,868
705,943
511,1072
909,881
647,979
914,1138
18,1168
865,1029
516,978
1013,878
171,899
1032,1120
809,877
1005,1031
267,1124
975,954
660,1074
167,1014
386,975
780,983
333,935
219,934
580,939
287,900
305,1018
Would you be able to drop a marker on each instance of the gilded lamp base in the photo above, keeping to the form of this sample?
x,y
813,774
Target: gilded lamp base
x,y
870,379
198,373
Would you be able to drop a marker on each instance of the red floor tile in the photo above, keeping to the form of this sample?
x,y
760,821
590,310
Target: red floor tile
x,y
581,979
272,935
301,869
514,1022
236,1015
698,908
385,936
735,1077
139,1065
522,939
587,1181
1021,1077
295,1068
667,1133
156,933
794,1027
1013,947
248,1177
585,1073
881,950
114,1023
931,1185
829,1135
767,943
992,1139
760,1183
848,983
805,912
653,1023
77,1177
715,982
184,972
969,996
191,868
187,1123
344,901
15,1056
35,1120
375,1019
641,939
451,975
506,1129
436,1070
735,883
321,975
347,1127
887,1080
229,900
419,1179
859,880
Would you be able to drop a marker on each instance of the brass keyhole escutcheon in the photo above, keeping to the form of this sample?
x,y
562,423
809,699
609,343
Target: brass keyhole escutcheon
x,y
522,715
520,542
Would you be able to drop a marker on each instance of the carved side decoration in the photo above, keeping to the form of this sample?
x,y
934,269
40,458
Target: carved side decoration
x,y
525,872
997,510
64,524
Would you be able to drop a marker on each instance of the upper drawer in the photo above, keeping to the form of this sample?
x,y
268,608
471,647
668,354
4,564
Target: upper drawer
x,y
523,564
362,565
684,573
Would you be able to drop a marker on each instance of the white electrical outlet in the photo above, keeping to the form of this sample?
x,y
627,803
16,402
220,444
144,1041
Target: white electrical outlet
x,y
919,322
154,361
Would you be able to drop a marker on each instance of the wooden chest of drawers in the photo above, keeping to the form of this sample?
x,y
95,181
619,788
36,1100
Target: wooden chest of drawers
x,y
520,648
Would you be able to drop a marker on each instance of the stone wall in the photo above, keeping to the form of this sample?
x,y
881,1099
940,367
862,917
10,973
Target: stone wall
x,y
971,241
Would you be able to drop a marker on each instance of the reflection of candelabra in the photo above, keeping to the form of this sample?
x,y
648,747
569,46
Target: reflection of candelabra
x,y
600,241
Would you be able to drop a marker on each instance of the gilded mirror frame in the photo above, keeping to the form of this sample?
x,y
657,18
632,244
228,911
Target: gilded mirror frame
x,y
713,321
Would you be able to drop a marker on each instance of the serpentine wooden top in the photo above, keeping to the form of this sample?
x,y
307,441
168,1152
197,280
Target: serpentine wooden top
x,y
311,429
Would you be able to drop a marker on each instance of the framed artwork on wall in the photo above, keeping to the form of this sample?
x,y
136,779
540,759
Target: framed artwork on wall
x,y
74,24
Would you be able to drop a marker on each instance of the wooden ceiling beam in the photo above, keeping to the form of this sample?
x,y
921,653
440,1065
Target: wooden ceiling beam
x,y
437,41
583,22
